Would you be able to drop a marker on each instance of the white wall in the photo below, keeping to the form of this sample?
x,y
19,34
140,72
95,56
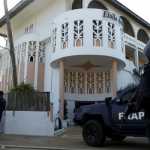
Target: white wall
x,y
28,123
40,18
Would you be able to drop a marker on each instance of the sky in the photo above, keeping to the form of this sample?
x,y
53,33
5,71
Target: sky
x,y
140,7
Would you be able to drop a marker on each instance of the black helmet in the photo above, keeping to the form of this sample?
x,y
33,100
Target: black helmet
x,y
147,50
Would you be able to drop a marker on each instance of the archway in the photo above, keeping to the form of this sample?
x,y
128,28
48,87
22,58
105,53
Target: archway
x,y
142,36
127,27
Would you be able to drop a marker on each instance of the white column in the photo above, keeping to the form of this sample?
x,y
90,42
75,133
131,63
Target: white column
x,y
19,65
118,37
61,88
36,66
71,35
87,33
7,71
26,63
136,55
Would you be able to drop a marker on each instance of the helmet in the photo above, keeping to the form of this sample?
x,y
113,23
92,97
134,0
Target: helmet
x,y
147,50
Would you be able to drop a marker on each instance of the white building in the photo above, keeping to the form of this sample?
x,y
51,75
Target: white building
x,y
78,50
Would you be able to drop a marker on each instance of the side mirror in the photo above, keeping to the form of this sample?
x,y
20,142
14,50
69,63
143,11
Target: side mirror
x,y
107,100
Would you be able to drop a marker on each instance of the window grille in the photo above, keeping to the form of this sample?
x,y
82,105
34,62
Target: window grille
x,y
64,36
31,51
54,36
41,53
78,33
111,35
97,33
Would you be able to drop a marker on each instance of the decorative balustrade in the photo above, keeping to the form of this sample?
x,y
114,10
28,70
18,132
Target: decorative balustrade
x,y
133,42
87,32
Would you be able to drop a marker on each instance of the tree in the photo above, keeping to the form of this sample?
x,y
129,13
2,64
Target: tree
x,y
11,44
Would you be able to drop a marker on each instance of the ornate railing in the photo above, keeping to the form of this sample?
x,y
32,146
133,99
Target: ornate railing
x,y
95,31
133,42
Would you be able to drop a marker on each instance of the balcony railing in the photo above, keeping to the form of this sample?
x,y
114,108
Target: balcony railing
x,y
133,42
91,30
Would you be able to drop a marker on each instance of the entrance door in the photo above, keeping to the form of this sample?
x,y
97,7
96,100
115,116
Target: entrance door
x,y
134,123
87,82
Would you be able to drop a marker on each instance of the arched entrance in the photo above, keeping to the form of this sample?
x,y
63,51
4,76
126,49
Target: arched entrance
x,y
85,80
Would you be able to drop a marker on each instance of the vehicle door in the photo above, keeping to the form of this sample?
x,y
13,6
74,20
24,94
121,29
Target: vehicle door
x,y
134,122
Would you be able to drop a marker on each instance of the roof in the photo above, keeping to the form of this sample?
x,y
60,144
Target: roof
x,y
15,10
24,3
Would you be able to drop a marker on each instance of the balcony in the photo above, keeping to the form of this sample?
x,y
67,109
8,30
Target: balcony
x,y
134,48
133,42
88,32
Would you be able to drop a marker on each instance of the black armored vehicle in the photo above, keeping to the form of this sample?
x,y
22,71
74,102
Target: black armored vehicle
x,y
107,119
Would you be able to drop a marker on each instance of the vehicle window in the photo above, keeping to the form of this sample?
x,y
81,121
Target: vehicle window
x,y
127,96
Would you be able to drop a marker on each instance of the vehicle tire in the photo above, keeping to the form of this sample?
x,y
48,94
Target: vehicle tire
x,y
118,138
93,133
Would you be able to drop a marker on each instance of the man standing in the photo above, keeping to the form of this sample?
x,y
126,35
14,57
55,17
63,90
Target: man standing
x,y
141,98
145,90
2,104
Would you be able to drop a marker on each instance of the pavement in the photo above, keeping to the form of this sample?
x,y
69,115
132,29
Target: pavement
x,y
71,139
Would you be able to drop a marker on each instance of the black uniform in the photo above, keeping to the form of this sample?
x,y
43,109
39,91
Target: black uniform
x,y
143,92
141,98
2,104
143,102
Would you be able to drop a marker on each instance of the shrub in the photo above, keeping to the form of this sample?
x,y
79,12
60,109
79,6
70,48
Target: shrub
x,y
23,88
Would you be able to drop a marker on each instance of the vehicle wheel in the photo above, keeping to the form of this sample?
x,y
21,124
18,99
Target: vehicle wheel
x,y
118,138
93,133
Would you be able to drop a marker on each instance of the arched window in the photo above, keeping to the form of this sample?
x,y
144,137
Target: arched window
x,y
142,36
96,4
127,27
77,4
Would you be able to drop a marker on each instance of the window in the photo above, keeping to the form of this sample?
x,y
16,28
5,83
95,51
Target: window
x,y
64,36
127,96
41,54
29,29
97,33
142,36
77,4
31,51
111,35
130,54
78,33
127,27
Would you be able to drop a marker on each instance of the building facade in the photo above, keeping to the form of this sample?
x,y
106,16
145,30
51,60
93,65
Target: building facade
x,y
80,51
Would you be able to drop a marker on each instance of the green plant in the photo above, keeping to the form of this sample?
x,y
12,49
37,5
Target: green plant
x,y
23,88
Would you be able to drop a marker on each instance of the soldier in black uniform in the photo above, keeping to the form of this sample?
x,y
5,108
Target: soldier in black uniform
x,y
2,104
141,98
146,86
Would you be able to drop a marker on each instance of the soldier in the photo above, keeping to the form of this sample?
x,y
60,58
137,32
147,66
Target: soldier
x,y
145,85
2,104
141,98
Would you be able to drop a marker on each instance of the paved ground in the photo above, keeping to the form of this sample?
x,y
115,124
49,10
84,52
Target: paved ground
x,y
70,140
